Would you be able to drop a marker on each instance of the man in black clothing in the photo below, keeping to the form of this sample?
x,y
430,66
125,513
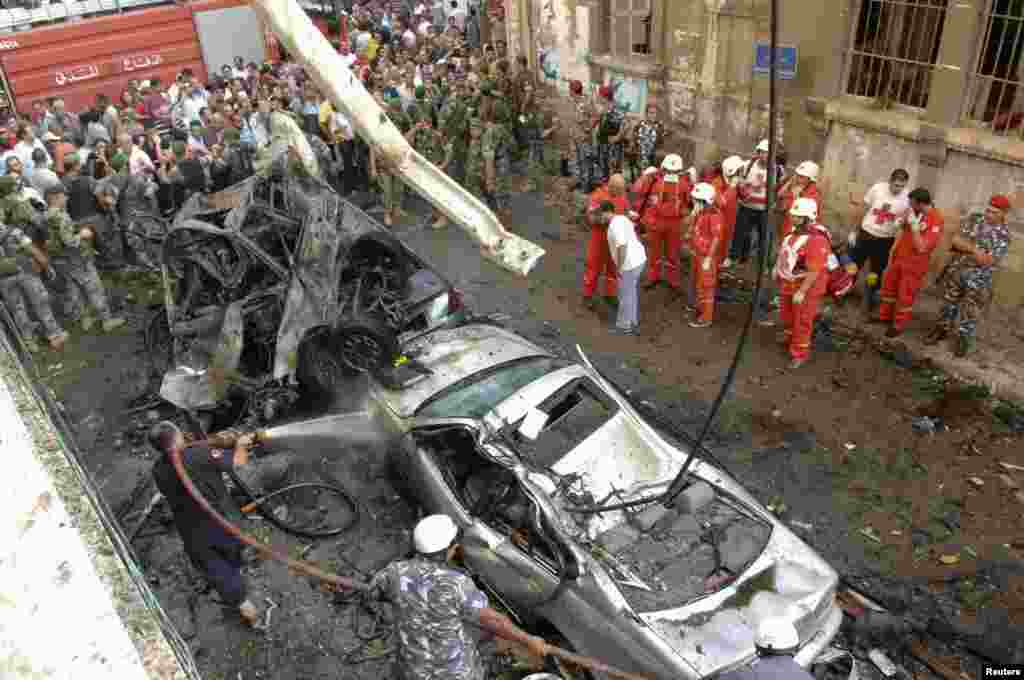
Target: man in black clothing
x,y
213,551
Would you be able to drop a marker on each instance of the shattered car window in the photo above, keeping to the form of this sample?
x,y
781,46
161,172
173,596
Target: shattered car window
x,y
475,396
573,414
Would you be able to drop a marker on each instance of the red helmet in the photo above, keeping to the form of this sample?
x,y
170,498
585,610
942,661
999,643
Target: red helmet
x,y
575,87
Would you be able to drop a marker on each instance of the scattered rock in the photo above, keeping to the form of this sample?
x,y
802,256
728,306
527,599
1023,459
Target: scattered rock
x,y
1019,497
976,481
926,425
920,537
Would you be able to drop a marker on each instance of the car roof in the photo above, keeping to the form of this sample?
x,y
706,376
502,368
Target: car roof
x,y
454,354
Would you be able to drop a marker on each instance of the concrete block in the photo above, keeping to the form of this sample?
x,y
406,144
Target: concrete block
x,y
618,538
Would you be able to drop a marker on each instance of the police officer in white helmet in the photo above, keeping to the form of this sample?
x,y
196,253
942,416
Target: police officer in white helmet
x,y
438,610
776,641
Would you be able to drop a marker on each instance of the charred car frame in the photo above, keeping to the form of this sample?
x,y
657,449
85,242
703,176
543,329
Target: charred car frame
x,y
278,283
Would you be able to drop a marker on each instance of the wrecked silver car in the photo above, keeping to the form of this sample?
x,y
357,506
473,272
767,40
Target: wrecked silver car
x,y
277,285
512,442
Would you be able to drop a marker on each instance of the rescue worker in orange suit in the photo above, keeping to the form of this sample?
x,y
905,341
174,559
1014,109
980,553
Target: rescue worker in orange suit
x,y
599,258
803,184
667,201
705,241
802,276
909,260
731,168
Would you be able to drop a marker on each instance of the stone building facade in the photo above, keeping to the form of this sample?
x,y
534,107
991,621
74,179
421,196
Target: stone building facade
x,y
934,86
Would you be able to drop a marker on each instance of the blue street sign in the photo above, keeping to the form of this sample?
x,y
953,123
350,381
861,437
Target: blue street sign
x,y
785,60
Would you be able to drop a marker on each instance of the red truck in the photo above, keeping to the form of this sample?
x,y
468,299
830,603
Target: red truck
x,y
77,56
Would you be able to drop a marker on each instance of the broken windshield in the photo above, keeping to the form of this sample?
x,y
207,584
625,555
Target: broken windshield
x,y
475,396
567,418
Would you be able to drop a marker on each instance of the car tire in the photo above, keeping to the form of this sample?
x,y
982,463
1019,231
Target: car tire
x,y
318,367
365,344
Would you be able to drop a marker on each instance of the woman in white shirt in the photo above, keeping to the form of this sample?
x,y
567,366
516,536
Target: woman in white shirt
x,y
630,260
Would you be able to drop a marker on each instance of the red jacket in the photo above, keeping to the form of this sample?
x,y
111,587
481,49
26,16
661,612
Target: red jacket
x,y
602,195
931,234
801,254
706,229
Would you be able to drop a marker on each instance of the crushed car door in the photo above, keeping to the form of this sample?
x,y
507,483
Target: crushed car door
x,y
313,291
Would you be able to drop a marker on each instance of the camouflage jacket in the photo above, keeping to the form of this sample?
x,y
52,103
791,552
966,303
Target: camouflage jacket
x,y
432,602
63,239
399,117
474,163
14,247
430,143
992,238
17,211
454,117
495,141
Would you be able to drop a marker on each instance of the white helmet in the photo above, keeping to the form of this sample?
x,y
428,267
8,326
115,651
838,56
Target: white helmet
x,y
762,146
703,192
732,165
650,170
776,635
805,207
808,169
434,534
672,163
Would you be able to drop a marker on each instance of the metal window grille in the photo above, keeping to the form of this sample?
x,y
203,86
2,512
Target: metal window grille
x,y
996,94
893,48
631,27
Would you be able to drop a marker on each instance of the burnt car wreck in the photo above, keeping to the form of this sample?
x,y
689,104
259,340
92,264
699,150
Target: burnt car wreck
x,y
277,286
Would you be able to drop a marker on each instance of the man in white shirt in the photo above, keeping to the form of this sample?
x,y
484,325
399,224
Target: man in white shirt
x,y
27,143
886,204
752,193
630,259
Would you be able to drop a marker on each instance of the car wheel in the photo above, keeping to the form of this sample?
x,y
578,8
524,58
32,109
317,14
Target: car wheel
x,y
318,368
365,344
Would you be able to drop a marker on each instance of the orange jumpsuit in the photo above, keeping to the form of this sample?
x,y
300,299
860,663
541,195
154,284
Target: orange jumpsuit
x,y
799,255
786,201
904,277
707,228
599,257
644,203
668,203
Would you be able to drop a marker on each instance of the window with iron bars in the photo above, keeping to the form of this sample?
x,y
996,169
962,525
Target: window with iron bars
x,y
893,48
996,94
630,28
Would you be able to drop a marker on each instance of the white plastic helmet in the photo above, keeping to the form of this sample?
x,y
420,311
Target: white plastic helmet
x,y
805,207
703,192
732,165
434,534
651,170
672,163
808,169
776,635
762,146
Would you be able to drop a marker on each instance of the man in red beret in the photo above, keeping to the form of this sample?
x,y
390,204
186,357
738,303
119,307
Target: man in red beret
x,y
978,249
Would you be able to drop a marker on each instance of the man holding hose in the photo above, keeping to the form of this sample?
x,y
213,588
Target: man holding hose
x,y
214,552
437,607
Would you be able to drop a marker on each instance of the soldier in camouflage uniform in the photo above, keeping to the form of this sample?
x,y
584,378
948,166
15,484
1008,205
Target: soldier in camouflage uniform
x,y
496,142
21,288
582,134
390,185
72,256
438,608
15,210
475,180
426,140
983,242
536,127
453,119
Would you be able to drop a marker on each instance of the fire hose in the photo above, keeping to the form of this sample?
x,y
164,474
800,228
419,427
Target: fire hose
x,y
345,583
